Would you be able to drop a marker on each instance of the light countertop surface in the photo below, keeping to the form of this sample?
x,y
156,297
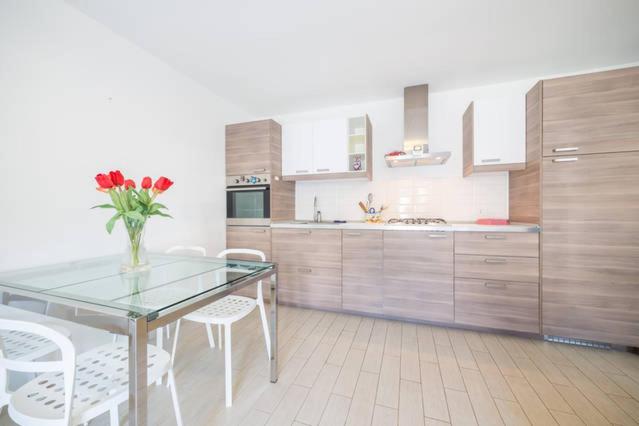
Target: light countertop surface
x,y
449,227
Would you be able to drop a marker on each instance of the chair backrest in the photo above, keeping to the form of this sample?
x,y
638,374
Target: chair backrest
x,y
196,250
250,252
66,365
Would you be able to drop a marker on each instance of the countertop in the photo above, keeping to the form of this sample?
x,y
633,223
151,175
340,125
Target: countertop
x,y
450,227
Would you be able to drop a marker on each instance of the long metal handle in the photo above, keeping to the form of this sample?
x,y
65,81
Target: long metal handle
x,y
259,171
495,260
569,149
488,284
259,231
252,188
323,170
353,234
494,237
308,232
491,160
305,270
301,171
437,236
565,160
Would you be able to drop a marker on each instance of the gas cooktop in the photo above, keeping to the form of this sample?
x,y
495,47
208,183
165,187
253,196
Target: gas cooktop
x,y
417,221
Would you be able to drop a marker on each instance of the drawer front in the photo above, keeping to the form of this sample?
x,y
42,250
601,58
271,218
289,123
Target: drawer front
x,y
503,305
362,270
250,237
428,299
310,247
503,268
309,286
497,244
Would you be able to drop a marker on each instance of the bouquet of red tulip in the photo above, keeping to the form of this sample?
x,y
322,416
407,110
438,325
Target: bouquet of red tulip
x,y
134,207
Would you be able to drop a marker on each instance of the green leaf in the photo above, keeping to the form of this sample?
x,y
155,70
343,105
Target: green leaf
x,y
104,206
115,199
159,213
159,206
135,215
111,223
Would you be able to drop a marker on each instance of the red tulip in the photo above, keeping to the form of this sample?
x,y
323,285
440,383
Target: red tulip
x,y
117,178
128,183
147,183
104,181
162,184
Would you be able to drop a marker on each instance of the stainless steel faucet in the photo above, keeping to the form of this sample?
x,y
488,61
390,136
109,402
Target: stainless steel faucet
x,y
317,215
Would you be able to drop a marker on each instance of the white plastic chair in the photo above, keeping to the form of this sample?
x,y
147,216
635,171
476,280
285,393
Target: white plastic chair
x,y
225,312
78,388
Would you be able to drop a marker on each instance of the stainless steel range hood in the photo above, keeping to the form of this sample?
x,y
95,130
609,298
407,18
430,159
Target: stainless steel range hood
x,y
415,150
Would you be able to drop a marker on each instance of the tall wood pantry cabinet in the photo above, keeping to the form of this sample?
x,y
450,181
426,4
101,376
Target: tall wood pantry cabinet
x,y
583,167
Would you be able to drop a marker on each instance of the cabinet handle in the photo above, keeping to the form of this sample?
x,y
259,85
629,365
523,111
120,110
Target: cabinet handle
x,y
301,171
491,160
494,285
323,170
570,149
565,160
259,231
259,170
495,260
494,237
353,234
305,270
437,236
304,232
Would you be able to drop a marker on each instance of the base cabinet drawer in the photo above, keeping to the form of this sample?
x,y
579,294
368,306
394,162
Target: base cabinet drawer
x,y
497,243
249,237
310,286
500,268
317,248
505,305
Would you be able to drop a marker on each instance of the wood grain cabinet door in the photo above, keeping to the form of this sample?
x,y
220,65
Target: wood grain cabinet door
x,y
250,237
248,148
590,247
418,275
362,271
591,113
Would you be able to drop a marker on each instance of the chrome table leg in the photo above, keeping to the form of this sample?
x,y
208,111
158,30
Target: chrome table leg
x,y
138,371
273,326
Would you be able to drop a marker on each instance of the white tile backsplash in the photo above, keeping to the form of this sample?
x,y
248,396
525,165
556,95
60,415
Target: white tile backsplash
x,y
452,198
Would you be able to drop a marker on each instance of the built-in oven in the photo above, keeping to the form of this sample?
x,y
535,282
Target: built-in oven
x,y
248,200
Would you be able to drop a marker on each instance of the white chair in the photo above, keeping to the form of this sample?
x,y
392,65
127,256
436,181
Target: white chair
x,y
77,388
225,312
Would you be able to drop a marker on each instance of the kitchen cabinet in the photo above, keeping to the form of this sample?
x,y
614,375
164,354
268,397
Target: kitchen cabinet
x,y
362,271
250,237
418,275
309,267
297,148
327,149
497,280
590,247
330,146
494,132
591,113
253,148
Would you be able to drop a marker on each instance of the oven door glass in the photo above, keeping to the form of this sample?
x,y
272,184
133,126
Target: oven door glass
x,y
248,203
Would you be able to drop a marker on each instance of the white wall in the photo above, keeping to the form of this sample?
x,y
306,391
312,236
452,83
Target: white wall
x,y
75,100
429,191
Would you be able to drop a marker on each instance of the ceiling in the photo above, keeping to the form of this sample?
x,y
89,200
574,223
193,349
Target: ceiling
x,y
279,56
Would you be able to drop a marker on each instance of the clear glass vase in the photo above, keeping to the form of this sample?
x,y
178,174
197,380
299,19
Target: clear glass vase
x,y
135,257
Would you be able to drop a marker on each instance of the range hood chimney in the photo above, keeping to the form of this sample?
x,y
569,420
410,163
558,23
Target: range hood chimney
x,y
415,151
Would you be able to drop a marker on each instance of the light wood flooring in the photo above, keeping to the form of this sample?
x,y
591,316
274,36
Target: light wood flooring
x,y
349,370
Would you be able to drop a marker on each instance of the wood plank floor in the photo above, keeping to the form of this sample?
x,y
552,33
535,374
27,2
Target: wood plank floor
x,y
340,369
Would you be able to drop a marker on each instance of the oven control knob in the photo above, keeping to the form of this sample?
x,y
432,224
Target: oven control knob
x,y
258,180
237,181
253,179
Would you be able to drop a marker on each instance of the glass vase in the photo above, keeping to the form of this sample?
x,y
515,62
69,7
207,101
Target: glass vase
x,y
135,257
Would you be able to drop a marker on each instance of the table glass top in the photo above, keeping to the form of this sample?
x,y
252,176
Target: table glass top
x,y
170,281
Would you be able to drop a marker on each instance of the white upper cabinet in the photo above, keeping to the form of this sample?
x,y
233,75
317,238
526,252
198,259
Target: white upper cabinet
x,y
330,139
297,148
500,130
339,148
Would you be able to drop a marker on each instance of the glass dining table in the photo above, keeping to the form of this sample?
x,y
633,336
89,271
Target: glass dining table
x,y
94,292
